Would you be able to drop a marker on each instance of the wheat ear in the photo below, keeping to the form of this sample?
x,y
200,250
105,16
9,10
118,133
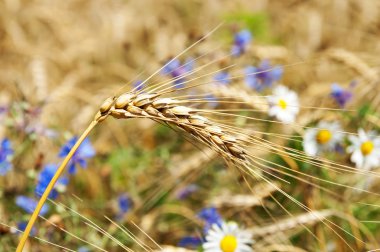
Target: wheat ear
x,y
163,110
168,111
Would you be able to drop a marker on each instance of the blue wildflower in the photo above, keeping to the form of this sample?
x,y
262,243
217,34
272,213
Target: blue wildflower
x,y
210,216
6,153
176,70
124,203
341,95
21,227
241,42
29,204
44,179
262,76
190,242
222,77
187,191
80,157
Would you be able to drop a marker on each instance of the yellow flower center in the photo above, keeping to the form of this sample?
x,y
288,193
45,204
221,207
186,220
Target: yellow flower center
x,y
366,147
228,243
323,136
282,104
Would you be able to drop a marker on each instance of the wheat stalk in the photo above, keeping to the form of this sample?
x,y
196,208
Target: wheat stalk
x,y
50,186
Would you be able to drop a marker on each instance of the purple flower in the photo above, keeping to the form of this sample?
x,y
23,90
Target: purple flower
x,y
190,242
84,152
222,77
29,204
241,42
187,191
177,71
262,76
6,153
341,95
210,216
44,179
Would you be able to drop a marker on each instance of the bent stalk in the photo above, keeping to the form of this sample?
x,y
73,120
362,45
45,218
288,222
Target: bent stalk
x,y
45,195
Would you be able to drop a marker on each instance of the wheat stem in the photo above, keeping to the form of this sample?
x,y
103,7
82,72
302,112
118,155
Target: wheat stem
x,y
46,193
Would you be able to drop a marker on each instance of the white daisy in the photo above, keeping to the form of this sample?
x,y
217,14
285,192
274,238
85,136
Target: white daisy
x,y
283,104
323,138
227,238
365,149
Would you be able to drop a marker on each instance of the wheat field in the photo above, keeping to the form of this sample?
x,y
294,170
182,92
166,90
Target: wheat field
x,y
215,126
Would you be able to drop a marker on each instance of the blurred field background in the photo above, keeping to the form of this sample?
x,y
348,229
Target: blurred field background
x,y
60,59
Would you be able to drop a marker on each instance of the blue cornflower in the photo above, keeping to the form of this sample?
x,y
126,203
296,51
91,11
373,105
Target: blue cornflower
x,y
80,157
187,191
124,202
21,227
29,204
222,77
241,42
341,95
176,70
210,216
262,76
44,179
190,242
6,153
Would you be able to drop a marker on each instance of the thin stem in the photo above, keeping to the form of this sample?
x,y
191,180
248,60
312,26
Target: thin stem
x,y
46,193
